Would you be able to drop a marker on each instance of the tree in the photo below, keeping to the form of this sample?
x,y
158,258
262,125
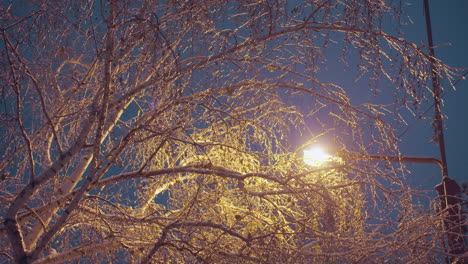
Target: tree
x,y
167,131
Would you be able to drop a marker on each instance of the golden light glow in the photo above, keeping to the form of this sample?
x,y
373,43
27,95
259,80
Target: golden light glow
x,y
316,156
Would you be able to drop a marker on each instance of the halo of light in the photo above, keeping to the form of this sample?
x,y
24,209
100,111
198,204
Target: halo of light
x,y
316,156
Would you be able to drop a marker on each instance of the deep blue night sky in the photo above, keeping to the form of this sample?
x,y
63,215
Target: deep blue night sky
x,y
451,41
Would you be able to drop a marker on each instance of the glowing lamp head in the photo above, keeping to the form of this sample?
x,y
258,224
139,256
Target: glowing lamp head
x,y
316,156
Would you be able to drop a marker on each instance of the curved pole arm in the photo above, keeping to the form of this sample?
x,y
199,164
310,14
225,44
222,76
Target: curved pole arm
x,y
394,158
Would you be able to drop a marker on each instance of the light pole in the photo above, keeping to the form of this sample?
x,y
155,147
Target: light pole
x,y
449,194
448,190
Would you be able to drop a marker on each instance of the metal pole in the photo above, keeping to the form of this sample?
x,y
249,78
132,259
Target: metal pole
x,y
395,158
438,123
449,191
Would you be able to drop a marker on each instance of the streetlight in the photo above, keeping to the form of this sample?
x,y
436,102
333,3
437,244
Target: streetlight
x,y
316,156
449,193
